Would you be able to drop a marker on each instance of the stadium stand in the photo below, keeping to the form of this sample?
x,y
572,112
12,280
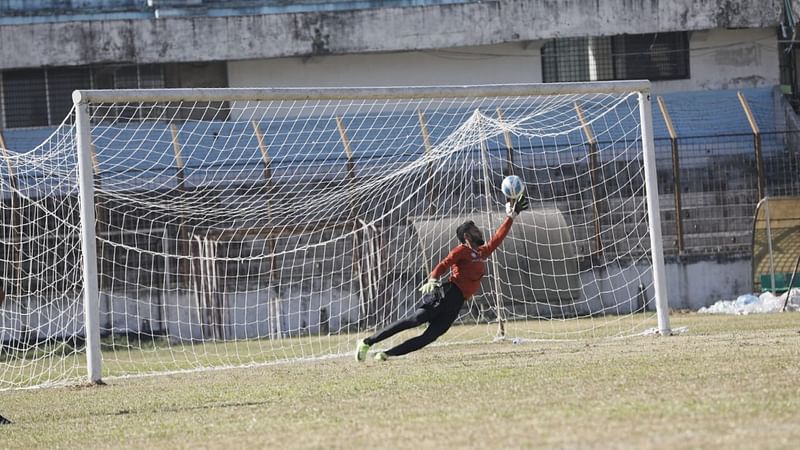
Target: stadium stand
x,y
715,146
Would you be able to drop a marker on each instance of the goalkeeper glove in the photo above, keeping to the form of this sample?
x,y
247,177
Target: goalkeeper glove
x,y
514,207
429,286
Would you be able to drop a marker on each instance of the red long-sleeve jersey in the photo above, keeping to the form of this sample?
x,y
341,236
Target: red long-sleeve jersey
x,y
469,265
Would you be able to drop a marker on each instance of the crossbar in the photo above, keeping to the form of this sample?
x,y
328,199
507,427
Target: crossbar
x,y
351,93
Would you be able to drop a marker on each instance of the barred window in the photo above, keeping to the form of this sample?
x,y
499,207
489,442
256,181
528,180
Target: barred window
x,y
61,82
137,77
42,97
655,56
25,98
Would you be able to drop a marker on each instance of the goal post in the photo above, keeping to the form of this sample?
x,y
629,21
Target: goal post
x,y
206,228
653,210
91,310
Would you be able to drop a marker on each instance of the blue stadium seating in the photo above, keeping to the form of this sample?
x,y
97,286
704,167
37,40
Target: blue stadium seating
x,y
22,140
383,142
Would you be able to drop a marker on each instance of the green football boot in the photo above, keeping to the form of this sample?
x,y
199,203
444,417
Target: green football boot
x,y
361,350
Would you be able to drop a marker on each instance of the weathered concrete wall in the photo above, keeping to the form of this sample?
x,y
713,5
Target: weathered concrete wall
x,y
372,30
255,313
501,63
698,283
719,59
729,59
692,283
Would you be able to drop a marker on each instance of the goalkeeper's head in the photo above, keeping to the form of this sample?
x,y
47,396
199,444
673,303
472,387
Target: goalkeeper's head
x,y
468,232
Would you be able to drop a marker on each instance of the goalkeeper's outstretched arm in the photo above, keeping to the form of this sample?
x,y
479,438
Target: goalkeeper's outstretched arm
x,y
513,208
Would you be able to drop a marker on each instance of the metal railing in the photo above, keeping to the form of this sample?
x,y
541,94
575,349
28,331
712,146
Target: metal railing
x,y
710,186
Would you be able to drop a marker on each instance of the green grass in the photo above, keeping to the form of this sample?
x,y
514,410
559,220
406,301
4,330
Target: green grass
x,y
729,382
58,363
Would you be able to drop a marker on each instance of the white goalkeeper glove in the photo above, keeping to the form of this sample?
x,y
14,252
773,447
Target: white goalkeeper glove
x,y
429,286
514,207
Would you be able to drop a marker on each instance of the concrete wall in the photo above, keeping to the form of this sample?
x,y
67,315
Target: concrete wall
x,y
362,31
252,314
693,284
729,59
719,59
612,290
502,63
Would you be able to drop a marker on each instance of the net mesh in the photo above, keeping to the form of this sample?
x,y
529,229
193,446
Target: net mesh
x,y
240,232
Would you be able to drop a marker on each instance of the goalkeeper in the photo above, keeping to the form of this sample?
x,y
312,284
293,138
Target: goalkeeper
x,y
441,302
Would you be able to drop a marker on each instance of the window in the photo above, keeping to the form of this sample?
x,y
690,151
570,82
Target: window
x,y
61,82
565,60
662,56
42,97
137,77
658,56
25,98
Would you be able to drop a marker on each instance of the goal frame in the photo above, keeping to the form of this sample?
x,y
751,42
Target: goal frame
x,y
83,98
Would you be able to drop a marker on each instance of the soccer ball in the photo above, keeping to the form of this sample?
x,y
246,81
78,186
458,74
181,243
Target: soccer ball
x,y
512,187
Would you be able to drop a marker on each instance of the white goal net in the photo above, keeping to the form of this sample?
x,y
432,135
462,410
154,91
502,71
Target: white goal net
x,y
235,227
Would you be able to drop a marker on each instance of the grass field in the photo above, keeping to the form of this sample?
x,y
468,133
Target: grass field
x,y
729,382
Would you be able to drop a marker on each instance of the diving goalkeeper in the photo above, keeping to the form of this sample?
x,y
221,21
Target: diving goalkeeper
x,y
441,302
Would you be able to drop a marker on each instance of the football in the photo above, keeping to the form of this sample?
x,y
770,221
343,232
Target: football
x,y
512,187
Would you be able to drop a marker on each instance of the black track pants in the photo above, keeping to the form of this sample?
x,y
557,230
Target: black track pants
x,y
439,311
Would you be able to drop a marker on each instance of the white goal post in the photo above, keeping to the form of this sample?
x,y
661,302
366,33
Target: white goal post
x,y
232,227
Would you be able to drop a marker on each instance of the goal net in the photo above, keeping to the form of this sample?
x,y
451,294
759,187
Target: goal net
x,y
177,230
